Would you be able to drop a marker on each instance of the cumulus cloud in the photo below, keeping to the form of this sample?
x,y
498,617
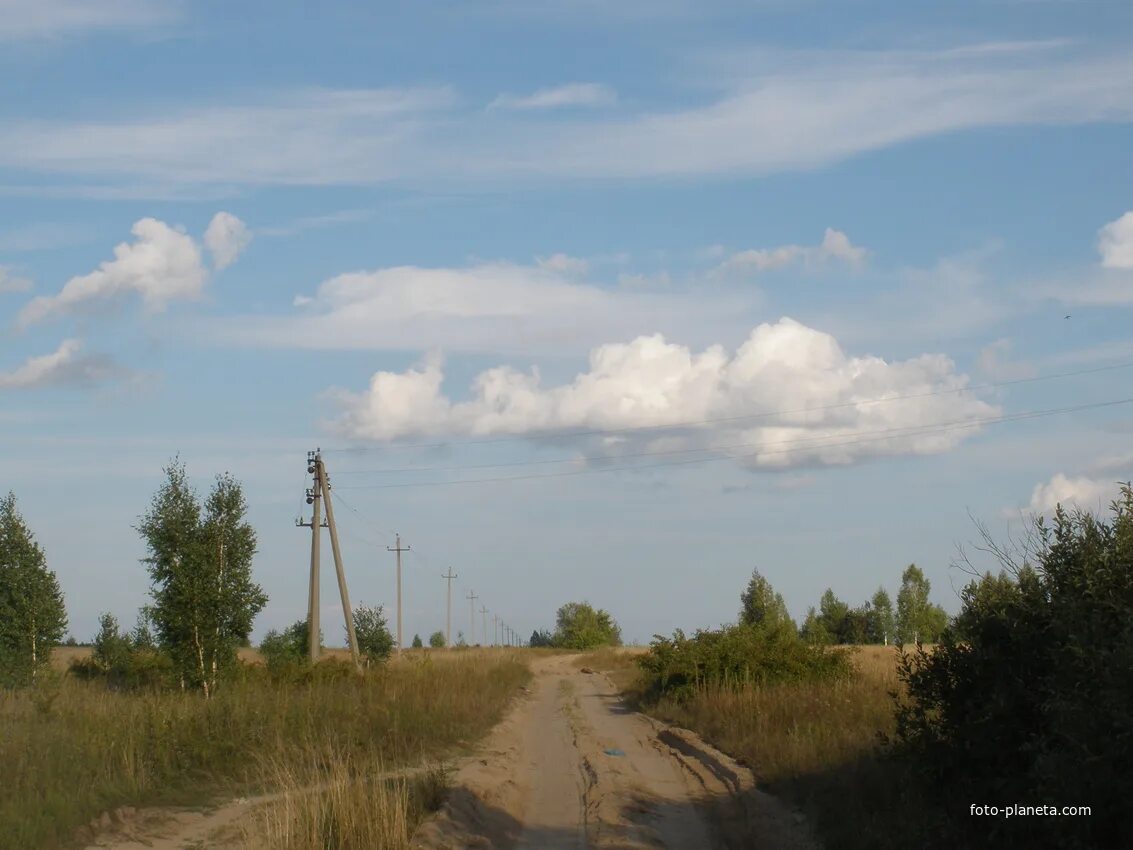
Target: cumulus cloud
x,y
65,365
571,94
1115,243
162,264
1085,492
563,263
226,237
10,282
821,404
835,245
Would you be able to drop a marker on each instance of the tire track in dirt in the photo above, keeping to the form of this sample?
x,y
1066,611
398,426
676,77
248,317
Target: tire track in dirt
x,y
572,768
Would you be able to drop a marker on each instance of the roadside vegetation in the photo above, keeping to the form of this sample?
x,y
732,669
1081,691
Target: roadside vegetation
x,y
1023,700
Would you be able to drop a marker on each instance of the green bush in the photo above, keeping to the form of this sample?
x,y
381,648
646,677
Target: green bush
x,y
734,656
1027,697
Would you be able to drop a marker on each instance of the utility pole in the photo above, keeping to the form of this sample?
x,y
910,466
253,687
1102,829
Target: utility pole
x,y
495,630
448,616
398,550
484,614
321,488
472,597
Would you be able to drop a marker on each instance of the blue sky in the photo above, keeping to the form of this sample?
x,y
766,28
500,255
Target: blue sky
x,y
709,281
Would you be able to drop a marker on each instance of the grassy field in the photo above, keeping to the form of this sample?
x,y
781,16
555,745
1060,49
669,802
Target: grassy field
x,y
818,745
77,749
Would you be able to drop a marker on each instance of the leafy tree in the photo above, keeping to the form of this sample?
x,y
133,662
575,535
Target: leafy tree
x,y
814,630
918,620
32,617
581,626
417,642
541,637
374,639
200,567
460,641
111,647
883,624
832,613
1027,694
289,647
760,604
437,640
141,636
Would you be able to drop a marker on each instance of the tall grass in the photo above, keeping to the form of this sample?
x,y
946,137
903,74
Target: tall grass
x,y
819,745
73,749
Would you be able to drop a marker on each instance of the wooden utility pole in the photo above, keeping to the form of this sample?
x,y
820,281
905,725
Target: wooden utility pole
x,y
398,550
448,607
472,597
315,495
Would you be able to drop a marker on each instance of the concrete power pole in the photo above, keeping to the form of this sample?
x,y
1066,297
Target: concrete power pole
x,y
398,549
448,616
484,614
472,597
495,630
315,495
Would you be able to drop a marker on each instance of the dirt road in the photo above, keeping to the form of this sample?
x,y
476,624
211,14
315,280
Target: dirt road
x,y
571,768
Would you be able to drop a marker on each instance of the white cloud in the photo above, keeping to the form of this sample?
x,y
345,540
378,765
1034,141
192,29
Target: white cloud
x,y
651,383
491,306
27,19
781,112
10,282
1115,243
161,265
226,237
1087,493
563,263
66,365
835,246
572,94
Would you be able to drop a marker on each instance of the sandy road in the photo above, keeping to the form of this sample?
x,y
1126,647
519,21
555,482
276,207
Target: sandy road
x,y
571,768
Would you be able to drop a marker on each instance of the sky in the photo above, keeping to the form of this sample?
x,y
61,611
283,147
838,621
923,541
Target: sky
x,y
589,301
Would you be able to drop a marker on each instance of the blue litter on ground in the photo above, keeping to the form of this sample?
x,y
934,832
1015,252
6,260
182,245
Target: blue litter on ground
x,y
614,751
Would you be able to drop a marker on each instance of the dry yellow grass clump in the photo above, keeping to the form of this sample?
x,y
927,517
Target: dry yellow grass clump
x,y
72,749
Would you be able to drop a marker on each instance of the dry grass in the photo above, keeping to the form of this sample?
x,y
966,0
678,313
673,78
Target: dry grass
x,y
72,749
817,744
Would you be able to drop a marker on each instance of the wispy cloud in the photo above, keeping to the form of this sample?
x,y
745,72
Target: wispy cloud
x,y
32,19
769,116
835,245
572,94
315,222
11,282
67,365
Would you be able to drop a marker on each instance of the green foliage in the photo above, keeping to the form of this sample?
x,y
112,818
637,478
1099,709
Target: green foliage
x,y
121,663
918,620
761,605
417,642
374,639
289,648
736,656
33,619
541,637
883,622
437,640
200,567
1027,697
579,625
813,629
111,647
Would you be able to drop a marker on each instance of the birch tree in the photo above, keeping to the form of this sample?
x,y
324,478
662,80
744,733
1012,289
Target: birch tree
x,y
200,568
32,615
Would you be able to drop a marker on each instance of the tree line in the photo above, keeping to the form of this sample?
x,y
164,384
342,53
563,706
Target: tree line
x,y
914,620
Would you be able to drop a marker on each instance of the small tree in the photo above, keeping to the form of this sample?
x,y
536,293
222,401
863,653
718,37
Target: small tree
x,y
813,630
111,647
581,626
32,617
541,637
760,605
200,567
437,640
374,639
289,647
417,642
884,628
918,620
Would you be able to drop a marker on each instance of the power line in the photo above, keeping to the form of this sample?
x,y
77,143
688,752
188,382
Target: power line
x,y
872,437
555,435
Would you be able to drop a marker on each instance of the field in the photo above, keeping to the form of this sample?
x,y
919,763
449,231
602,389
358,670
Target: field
x,y
79,749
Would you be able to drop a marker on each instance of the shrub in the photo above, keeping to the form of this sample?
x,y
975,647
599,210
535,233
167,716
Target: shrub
x,y
374,639
579,625
734,656
437,640
1026,697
